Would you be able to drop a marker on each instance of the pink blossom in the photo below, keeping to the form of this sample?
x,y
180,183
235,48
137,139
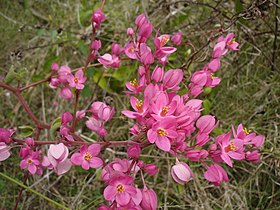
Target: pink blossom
x,y
162,133
172,78
78,80
157,74
161,50
117,49
216,174
145,32
80,114
135,87
146,56
109,60
87,157
149,200
29,142
120,190
181,172
140,20
206,123
97,17
54,67
5,135
253,156
230,42
58,157
139,106
97,126
134,151
130,51
66,118
196,155
4,151
54,83
65,132
177,38
63,73
31,162
230,148
130,32
66,93
150,169
95,45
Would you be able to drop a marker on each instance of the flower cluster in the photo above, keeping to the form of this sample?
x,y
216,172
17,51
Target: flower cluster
x,y
162,117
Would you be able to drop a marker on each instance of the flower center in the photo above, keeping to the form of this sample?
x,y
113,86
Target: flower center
x,y
212,76
139,105
120,189
165,110
232,41
88,156
76,80
131,49
162,132
231,147
247,131
29,161
164,40
134,83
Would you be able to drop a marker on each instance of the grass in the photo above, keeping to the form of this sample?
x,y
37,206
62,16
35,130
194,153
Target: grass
x,y
249,94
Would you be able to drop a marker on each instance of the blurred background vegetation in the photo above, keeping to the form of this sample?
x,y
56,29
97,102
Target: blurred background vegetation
x,y
36,33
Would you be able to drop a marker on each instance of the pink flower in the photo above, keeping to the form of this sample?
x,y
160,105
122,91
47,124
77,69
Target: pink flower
x,y
66,118
146,56
80,114
120,190
149,199
117,49
230,42
162,133
4,151
181,172
5,135
54,67
138,105
134,151
230,148
177,38
151,169
253,156
216,174
54,83
145,32
140,20
172,79
77,80
130,32
57,155
109,60
196,155
97,126
134,86
161,50
97,17
87,158
63,73
66,93
95,45
31,162
157,74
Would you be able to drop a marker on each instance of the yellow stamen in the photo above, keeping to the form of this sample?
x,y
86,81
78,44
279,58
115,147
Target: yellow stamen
x,y
231,147
212,76
76,80
232,41
165,110
134,83
120,189
88,156
247,131
139,105
131,49
164,40
162,132
29,161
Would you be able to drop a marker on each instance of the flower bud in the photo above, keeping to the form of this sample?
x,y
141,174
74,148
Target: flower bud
x,y
172,78
130,32
140,20
181,173
206,123
151,169
196,155
149,199
66,93
177,38
95,45
54,67
116,49
66,118
134,151
29,142
216,174
157,74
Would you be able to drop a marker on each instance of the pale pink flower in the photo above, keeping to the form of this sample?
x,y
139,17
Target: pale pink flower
x,y
66,93
63,73
130,32
196,155
109,60
181,172
216,174
4,151
54,67
31,162
58,157
87,157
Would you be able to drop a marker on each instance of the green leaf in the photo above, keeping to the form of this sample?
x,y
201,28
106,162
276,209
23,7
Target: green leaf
x,y
25,131
217,131
239,9
87,91
10,76
206,106
102,81
54,126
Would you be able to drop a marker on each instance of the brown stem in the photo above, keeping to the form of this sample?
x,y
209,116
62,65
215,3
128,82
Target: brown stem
x,y
35,83
25,105
21,190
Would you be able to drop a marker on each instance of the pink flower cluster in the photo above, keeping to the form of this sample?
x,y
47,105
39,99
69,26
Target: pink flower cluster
x,y
65,80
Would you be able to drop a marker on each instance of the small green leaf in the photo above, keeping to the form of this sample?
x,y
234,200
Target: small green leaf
x,y
54,126
217,131
25,131
10,76
206,106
